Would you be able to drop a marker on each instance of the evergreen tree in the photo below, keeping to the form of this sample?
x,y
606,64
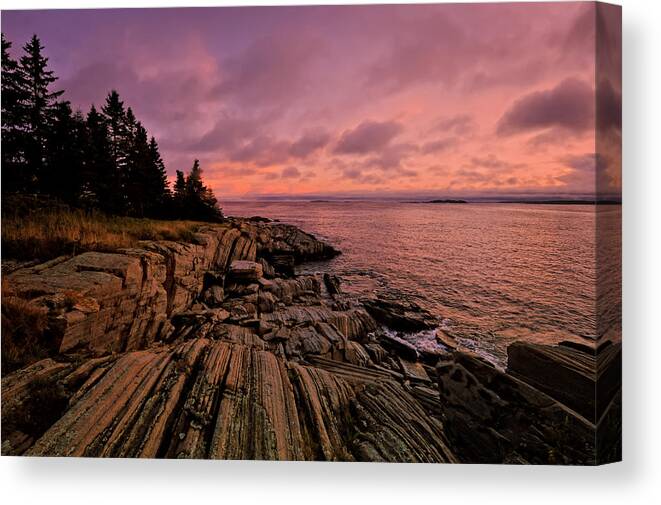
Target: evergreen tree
x,y
14,175
157,182
119,142
65,154
40,105
200,202
137,168
179,194
99,178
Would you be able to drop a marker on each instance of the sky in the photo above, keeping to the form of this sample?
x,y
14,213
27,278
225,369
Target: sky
x,y
358,101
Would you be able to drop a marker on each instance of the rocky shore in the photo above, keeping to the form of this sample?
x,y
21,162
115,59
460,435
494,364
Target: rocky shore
x,y
217,349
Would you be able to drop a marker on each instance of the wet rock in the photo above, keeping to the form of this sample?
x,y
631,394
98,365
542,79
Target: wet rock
x,y
445,339
332,283
400,315
399,346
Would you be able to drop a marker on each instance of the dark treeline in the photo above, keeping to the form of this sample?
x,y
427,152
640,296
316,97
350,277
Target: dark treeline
x,y
102,160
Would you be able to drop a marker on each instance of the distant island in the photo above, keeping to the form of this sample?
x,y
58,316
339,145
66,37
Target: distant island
x,y
441,201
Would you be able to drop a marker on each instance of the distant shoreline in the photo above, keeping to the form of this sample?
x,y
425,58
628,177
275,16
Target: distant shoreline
x,y
566,202
436,201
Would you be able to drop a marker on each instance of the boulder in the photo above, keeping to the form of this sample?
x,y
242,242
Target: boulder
x,y
245,271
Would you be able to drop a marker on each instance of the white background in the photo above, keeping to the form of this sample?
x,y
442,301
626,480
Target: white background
x,y
636,480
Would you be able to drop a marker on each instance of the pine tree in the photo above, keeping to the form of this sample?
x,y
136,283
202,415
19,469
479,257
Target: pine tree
x,y
200,202
65,154
99,178
40,105
13,123
105,160
119,142
136,180
179,195
157,182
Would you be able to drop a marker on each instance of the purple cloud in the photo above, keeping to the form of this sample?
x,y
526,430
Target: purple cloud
x,y
461,124
290,173
609,106
436,146
568,105
273,70
493,163
309,142
368,136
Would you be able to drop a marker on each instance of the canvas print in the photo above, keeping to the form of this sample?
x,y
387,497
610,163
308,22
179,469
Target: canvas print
x,y
383,233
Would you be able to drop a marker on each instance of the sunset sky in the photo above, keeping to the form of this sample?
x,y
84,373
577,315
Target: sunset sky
x,y
474,100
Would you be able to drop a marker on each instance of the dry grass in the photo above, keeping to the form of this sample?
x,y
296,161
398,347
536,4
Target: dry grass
x,y
24,331
47,233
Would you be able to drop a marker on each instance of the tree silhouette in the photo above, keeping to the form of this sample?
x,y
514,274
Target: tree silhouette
x,y
156,184
40,104
115,120
98,177
104,160
14,92
200,201
65,154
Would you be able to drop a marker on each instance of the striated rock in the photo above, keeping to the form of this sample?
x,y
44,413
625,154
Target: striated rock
x,y
205,399
492,416
268,270
578,377
189,351
413,371
283,264
445,339
102,302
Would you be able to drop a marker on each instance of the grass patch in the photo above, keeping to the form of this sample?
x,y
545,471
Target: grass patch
x,y
46,232
24,332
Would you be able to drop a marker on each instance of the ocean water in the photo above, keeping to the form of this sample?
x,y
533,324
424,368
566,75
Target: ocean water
x,y
493,273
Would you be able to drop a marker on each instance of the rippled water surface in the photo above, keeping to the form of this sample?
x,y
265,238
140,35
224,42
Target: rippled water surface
x,y
494,273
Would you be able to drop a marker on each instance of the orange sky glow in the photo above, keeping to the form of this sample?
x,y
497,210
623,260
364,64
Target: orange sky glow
x,y
463,99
